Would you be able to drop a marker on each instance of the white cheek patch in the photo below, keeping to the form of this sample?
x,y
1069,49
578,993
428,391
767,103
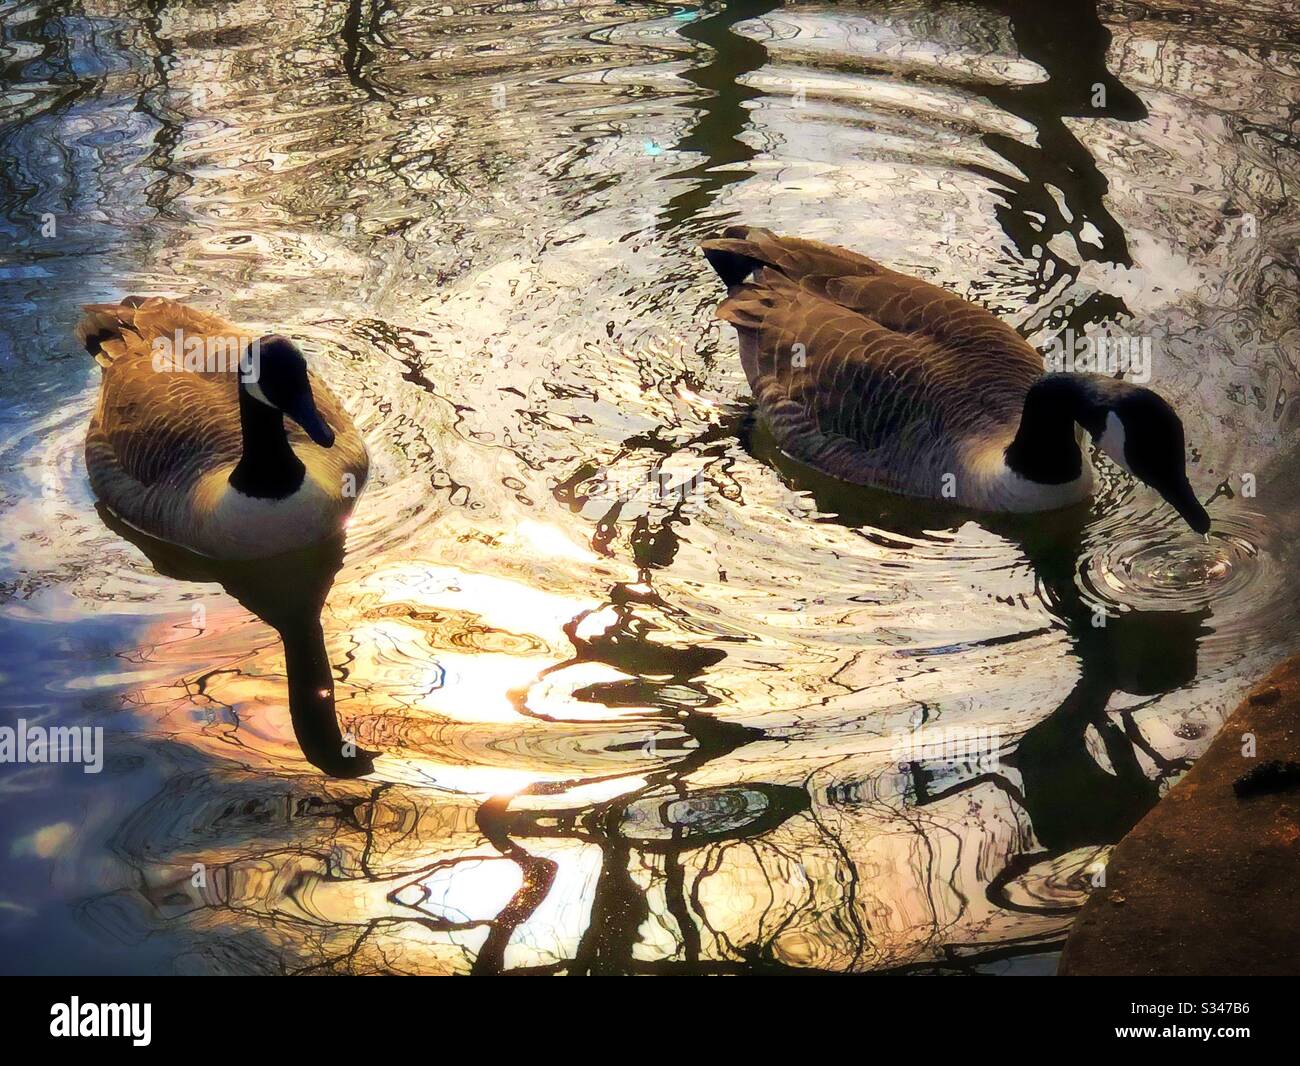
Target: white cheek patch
x,y
1112,441
255,390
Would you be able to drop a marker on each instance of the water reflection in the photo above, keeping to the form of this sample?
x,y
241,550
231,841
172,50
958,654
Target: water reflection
x,y
1072,49
1074,795
288,593
719,114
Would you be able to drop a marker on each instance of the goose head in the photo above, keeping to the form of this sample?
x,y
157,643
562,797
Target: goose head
x,y
274,372
1134,426
1140,432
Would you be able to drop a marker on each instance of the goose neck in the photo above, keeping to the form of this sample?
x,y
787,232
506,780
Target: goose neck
x,y
268,467
1045,448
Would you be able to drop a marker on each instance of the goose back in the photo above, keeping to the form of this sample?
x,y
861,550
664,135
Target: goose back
x,y
876,377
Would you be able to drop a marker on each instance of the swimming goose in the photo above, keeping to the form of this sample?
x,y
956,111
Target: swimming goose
x,y
881,379
189,442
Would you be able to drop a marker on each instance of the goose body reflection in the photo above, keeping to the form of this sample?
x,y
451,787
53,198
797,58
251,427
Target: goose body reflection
x,y
885,380
288,593
188,441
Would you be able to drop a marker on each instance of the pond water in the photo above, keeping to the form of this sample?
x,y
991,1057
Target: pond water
x,y
647,695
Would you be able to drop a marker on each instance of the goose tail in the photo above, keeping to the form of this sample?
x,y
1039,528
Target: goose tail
x,y
743,250
103,326
738,253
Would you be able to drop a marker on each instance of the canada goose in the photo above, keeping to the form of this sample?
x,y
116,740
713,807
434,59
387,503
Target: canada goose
x,y
188,442
881,379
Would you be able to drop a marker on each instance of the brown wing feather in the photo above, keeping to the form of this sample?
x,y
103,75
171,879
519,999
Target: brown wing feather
x,y
159,429
897,374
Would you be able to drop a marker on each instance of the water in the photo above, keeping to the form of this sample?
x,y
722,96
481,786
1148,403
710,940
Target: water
x,y
755,722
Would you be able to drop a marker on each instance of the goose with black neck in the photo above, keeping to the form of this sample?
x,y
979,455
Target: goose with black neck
x,y
882,379
233,459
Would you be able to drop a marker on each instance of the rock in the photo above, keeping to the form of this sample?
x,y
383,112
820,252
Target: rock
x,y
1210,878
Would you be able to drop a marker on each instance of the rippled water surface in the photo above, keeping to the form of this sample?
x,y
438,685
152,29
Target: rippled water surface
x,y
759,721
